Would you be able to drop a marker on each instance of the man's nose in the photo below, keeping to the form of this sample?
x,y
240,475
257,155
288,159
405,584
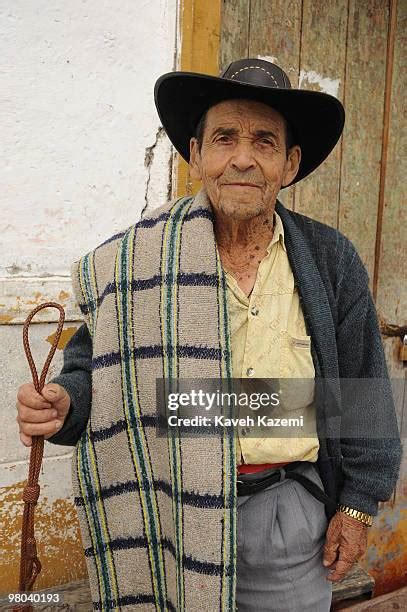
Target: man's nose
x,y
242,158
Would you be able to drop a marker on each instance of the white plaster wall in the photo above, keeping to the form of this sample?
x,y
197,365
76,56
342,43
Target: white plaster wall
x,y
78,117
82,156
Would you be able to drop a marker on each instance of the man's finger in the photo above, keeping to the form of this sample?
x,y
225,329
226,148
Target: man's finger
x,y
53,392
332,542
362,547
28,396
330,554
31,415
40,429
343,566
26,440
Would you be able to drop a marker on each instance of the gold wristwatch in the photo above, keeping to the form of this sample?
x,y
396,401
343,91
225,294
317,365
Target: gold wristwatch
x,y
362,517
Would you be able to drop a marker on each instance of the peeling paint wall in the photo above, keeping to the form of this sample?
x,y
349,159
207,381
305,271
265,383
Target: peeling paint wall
x,y
83,156
386,557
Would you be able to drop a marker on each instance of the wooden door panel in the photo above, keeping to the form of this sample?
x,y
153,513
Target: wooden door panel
x,y
355,50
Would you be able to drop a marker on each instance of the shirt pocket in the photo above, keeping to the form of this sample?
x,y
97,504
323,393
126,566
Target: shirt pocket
x,y
296,363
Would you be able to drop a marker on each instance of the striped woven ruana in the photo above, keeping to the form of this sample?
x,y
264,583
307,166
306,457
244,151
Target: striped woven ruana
x,y
157,514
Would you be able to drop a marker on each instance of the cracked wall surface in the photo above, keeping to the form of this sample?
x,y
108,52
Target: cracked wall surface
x,y
84,156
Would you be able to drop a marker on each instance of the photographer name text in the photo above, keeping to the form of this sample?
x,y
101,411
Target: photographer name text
x,y
222,421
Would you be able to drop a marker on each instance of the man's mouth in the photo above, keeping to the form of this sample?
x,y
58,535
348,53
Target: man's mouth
x,y
241,185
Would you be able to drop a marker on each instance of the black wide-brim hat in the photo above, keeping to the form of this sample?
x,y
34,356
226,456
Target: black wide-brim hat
x,y
316,119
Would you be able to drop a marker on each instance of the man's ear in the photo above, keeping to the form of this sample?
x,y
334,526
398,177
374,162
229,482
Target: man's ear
x,y
292,165
194,160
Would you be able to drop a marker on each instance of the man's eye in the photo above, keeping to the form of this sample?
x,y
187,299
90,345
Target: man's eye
x,y
224,139
266,141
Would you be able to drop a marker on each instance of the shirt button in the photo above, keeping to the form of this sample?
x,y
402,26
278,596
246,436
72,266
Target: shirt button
x,y
254,311
250,371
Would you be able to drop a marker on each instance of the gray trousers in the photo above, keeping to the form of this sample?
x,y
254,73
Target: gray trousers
x,y
280,539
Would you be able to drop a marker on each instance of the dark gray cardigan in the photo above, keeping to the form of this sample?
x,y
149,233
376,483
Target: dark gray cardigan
x,y
341,319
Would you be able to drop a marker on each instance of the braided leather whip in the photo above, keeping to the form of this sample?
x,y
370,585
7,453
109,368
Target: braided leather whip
x,y
30,565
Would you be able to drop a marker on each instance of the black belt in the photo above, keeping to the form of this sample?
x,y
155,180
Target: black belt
x,y
288,471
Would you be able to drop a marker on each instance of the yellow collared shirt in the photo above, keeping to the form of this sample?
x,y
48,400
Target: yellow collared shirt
x,y
269,340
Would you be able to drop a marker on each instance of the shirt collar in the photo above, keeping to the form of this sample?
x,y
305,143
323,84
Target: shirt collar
x,y
278,234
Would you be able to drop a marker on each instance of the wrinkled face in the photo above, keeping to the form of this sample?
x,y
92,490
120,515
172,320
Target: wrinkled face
x,y
243,160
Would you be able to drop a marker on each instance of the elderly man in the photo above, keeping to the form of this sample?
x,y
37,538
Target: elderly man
x,y
226,283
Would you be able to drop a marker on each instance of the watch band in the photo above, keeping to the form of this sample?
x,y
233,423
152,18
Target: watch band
x,y
362,517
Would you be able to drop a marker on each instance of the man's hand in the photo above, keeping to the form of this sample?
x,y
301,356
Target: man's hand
x,y
346,541
41,414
